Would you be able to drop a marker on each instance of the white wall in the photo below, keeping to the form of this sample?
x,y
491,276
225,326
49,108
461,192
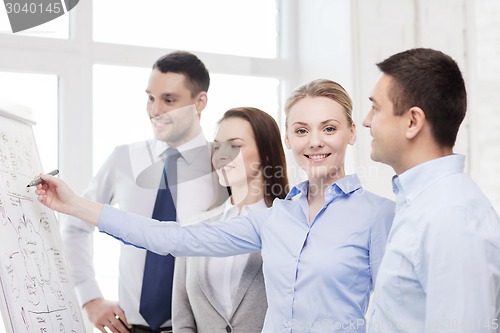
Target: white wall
x,y
484,88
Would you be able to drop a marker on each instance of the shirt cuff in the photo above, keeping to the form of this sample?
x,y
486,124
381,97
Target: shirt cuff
x,y
109,220
87,291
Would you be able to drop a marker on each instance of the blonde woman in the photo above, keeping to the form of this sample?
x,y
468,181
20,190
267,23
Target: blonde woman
x,y
321,246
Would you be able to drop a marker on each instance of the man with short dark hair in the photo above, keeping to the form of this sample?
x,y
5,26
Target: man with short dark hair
x,y
441,268
130,178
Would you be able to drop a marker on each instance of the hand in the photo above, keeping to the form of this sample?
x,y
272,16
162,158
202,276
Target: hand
x,y
103,313
57,195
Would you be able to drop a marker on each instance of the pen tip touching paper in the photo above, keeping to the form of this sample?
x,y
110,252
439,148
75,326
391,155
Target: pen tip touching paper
x,y
39,180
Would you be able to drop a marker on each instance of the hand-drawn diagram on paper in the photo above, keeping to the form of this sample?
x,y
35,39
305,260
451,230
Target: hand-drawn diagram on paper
x,y
34,275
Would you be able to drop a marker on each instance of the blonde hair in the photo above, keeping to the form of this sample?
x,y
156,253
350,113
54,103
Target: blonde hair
x,y
321,88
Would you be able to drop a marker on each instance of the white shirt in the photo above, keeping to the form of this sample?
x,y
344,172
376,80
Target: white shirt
x,y
121,182
224,273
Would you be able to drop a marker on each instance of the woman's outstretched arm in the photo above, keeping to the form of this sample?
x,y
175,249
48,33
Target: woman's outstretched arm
x,y
223,238
57,195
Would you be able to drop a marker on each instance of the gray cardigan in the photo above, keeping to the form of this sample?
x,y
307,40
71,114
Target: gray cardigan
x,y
195,308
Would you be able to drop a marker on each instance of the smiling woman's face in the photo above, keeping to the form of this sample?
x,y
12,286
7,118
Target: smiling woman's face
x,y
236,156
318,133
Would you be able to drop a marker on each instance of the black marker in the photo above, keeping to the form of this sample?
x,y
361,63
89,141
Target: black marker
x,y
39,180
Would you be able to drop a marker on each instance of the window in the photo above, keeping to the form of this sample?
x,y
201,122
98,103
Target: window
x,y
120,104
237,27
119,107
38,92
229,91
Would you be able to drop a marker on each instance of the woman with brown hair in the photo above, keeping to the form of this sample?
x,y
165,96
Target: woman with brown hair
x,y
213,293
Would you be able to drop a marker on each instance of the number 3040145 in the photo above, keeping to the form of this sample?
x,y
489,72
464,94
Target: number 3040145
x,y
33,8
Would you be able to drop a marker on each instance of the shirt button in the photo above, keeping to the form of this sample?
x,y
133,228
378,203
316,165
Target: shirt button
x,y
228,329
289,291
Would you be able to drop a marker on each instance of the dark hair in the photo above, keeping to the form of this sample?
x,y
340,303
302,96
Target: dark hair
x,y
271,153
432,81
182,62
321,88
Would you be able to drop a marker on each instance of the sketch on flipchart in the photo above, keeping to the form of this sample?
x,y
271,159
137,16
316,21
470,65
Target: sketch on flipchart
x,y
37,290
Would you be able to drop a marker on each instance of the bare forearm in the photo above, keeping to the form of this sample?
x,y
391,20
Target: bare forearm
x,y
55,194
86,210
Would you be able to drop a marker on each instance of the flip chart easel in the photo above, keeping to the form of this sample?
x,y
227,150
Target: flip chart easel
x,y
36,291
